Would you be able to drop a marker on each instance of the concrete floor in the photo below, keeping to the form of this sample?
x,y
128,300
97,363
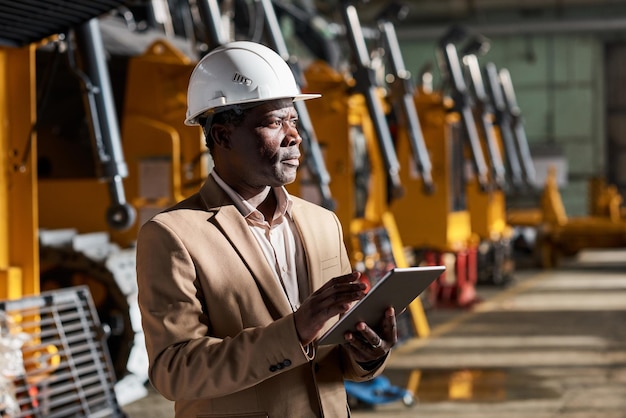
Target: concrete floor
x,y
551,344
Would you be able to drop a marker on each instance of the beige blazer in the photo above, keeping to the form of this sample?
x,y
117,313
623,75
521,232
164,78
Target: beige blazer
x,y
220,334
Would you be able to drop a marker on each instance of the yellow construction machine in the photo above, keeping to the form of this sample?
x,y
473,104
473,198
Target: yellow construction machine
x,y
163,159
361,159
488,209
560,235
450,221
32,52
605,200
433,223
437,225
482,193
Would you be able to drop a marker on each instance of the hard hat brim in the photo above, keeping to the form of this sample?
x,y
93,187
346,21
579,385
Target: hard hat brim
x,y
193,119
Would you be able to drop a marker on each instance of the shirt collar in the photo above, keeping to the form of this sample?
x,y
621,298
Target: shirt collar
x,y
284,202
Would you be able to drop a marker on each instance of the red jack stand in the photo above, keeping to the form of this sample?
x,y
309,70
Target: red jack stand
x,y
456,287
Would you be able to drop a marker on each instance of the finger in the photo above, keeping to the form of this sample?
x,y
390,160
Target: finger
x,y
390,328
369,335
388,332
346,278
341,293
357,342
365,349
333,302
338,303
339,282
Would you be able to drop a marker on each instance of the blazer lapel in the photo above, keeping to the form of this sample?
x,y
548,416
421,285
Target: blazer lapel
x,y
234,227
309,242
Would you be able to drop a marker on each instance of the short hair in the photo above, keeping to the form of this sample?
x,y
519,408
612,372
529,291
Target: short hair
x,y
233,116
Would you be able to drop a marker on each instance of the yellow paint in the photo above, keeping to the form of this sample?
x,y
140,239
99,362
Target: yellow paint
x,y
19,253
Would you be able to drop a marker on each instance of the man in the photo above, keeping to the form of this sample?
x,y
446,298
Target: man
x,y
237,282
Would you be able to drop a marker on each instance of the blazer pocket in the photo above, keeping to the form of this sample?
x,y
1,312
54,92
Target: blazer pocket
x,y
331,267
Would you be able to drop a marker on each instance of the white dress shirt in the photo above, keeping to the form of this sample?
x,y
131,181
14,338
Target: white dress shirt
x,y
279,240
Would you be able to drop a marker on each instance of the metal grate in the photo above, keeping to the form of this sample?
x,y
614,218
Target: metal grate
x,y
68,368
25,21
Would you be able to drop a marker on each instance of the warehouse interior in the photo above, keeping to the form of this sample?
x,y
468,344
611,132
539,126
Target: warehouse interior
x,y
486,136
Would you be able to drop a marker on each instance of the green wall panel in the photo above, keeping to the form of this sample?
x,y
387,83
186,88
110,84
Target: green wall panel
x,y
534,103
580,157
573,115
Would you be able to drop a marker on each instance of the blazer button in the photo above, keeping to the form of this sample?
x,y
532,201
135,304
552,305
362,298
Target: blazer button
x,y
273,368
286,362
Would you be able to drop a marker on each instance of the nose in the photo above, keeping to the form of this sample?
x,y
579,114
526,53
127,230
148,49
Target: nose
x,y
292,136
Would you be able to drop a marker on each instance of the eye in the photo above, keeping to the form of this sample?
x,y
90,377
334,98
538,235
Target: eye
x,y
275,123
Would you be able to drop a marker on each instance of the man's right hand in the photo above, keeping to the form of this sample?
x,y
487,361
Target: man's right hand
x,y
335,297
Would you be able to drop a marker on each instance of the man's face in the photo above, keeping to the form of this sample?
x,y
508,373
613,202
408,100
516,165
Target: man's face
x,y
265,147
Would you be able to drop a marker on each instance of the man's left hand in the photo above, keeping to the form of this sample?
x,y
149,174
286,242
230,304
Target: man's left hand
x,y
367,345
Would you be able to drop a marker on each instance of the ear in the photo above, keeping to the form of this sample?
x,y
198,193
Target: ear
x,y
220,135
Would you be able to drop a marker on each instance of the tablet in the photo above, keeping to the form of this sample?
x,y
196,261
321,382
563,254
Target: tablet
x,y
397,288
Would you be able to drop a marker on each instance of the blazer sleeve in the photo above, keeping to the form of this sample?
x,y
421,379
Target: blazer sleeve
x,y
185,361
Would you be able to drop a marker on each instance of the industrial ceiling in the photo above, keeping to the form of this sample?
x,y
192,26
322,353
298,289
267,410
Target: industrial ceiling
x,y
26,21
430,18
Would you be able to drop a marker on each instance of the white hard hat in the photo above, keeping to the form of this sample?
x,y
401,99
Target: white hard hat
x,y
237,73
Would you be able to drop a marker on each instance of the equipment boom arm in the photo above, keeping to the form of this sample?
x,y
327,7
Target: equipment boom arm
x,y
366,85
